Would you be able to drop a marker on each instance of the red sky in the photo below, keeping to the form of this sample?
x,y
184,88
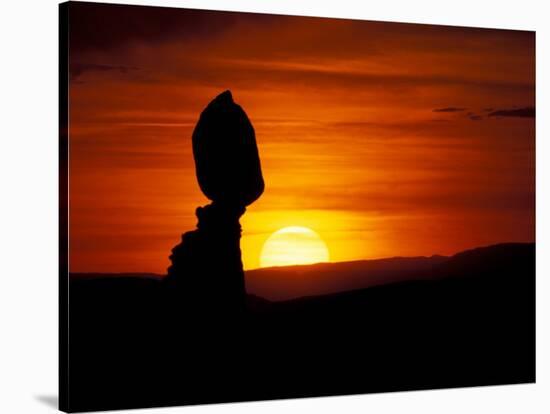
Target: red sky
x,y
386,139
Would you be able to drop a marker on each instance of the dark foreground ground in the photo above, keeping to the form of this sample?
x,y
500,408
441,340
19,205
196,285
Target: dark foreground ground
x,y
468,321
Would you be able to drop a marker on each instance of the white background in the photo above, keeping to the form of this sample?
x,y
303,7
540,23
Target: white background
x,y
28,205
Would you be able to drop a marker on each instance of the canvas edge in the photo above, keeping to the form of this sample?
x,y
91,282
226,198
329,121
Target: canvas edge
x,y
63,207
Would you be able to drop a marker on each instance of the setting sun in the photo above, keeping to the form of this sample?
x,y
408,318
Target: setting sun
x,y
292,246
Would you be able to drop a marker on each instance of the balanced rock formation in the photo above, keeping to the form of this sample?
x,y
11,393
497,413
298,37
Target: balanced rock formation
x,y
207,272
226,156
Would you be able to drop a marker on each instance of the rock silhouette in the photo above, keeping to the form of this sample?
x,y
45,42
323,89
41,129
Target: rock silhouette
x,y
226,156
207,272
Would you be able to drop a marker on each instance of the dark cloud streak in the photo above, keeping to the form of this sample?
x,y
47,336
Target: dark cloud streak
x,y
76,70
527,112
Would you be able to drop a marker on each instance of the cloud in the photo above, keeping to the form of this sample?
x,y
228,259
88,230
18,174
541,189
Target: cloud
x,y
449,109
101,27
527,112
76,70
473,116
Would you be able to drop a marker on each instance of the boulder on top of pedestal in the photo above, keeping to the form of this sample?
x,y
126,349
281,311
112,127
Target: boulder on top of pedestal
x,y
226,156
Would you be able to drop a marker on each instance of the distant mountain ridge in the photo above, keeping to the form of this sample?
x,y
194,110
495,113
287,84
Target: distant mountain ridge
x,y
290,282
283,283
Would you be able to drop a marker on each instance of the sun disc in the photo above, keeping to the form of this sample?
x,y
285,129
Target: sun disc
x,y
293,246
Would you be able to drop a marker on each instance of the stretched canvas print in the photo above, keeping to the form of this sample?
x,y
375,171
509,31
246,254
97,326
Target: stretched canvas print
x,y
258,206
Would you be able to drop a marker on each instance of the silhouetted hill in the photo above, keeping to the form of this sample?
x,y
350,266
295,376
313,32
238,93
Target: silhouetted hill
x,y
495,260
467,320
286,282
280,283
485,270
289,282
503,262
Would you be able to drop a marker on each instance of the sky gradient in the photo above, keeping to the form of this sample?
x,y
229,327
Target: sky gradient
x,y
386,139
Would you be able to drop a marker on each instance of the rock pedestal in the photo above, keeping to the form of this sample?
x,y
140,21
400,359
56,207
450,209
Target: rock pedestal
x,y
207,274
207,270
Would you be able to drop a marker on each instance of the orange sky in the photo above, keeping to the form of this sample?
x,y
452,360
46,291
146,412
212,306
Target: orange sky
x,y
386,139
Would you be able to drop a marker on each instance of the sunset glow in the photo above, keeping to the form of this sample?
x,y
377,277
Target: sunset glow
x,y
387,139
